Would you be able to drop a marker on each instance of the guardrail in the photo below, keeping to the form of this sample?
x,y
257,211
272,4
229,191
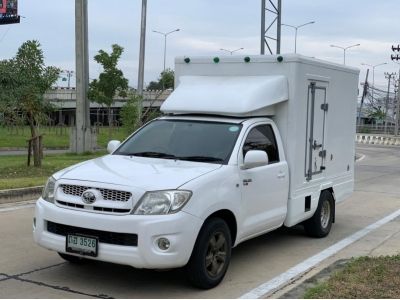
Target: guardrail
x,y
372,139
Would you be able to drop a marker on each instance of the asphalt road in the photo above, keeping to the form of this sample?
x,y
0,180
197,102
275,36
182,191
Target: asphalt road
x,y
28,271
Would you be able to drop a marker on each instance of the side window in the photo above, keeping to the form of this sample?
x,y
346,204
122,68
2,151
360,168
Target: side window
x,y
262,138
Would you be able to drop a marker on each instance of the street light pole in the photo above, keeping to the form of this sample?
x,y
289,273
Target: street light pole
x,y
344,50
295,34
231,51
165,34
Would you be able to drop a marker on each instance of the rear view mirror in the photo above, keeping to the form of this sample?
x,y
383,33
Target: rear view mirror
x,y
112,146
255,158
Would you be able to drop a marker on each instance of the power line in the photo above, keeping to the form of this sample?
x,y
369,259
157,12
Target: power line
x,y
4,35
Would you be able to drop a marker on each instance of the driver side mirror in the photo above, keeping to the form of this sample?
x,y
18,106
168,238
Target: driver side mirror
x,y
112,146
254,159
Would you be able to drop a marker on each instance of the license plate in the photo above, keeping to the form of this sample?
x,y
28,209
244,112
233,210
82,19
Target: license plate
x,y
81,244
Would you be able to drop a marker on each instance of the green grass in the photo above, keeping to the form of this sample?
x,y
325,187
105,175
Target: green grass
x,y
54,137
364,277
14,172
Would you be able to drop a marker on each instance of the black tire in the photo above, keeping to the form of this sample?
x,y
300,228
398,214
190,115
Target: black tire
x,y
320,223
71,258
207,265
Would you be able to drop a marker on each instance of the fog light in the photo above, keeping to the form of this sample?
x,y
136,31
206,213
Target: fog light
x,y
163,244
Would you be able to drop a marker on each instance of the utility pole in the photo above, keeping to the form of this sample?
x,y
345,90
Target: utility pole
x,y
274,9
142,57
388,76
396,129
81,138
396,58
69,75
365,91
373,77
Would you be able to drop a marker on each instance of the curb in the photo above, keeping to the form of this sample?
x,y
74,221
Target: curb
x,y
373,139
18,195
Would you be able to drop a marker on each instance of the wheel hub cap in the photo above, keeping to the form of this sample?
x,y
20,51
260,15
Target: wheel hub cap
x,y
216,254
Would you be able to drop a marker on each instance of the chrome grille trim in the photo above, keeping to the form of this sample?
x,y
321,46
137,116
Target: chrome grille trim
x,y
111,195
95,208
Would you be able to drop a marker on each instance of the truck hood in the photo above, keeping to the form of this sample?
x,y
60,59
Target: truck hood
x,y
145,173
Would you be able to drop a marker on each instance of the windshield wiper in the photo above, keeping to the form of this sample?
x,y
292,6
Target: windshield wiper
x,y
201,158
151,154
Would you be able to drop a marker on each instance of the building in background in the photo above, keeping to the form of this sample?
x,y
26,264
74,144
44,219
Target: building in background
x,y
64,102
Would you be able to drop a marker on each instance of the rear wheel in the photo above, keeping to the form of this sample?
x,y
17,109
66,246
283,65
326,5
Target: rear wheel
x,y
321,222
211,255
71,258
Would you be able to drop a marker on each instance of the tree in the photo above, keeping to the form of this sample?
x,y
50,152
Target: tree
x,y
130,113
165,81
376,113
23,83
111,81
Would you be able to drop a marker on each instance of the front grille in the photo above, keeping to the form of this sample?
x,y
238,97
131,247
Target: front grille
x,y
114,238
71,204
112,210
112,195
96,208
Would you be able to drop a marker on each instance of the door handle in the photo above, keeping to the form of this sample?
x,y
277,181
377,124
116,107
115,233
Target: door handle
x,y
281,175
247,181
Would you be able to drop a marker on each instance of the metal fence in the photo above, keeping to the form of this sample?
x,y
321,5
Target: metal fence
x,y
375,129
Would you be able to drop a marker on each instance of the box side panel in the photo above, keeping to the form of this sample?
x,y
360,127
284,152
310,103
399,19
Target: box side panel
x,y
339,131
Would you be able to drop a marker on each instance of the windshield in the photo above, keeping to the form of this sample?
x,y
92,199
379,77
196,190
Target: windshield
x,y
201,141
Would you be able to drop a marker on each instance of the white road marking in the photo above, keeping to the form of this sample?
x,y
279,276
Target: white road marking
x,y
360,158
293,273
16,207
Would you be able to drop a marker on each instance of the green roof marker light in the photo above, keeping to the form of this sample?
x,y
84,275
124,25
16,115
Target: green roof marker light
x,y
279,58
247,59
187,60
216,60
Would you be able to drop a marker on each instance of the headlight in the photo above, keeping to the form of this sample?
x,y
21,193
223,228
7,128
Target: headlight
x,y
162,202
48,191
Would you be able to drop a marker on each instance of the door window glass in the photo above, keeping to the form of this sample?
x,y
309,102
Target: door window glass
x,y
262,138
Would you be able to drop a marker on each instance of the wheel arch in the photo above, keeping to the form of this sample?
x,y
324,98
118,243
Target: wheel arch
x,y
229,218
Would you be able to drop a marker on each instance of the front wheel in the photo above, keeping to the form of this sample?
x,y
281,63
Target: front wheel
x,y
211,255
320,223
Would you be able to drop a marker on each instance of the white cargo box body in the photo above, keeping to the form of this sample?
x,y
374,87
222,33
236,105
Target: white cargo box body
x,y
312,102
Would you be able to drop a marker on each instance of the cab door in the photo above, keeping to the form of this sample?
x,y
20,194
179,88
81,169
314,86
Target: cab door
x,y
265,188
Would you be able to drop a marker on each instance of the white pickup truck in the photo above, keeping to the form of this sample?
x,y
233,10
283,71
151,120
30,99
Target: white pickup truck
x,y
246,145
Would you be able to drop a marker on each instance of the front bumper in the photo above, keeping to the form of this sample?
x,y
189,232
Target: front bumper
x,y
181,229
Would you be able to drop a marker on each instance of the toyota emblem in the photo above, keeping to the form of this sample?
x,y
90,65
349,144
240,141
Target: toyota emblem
x,y
88,197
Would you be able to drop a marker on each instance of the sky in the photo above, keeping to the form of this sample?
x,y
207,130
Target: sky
x,y
206,26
